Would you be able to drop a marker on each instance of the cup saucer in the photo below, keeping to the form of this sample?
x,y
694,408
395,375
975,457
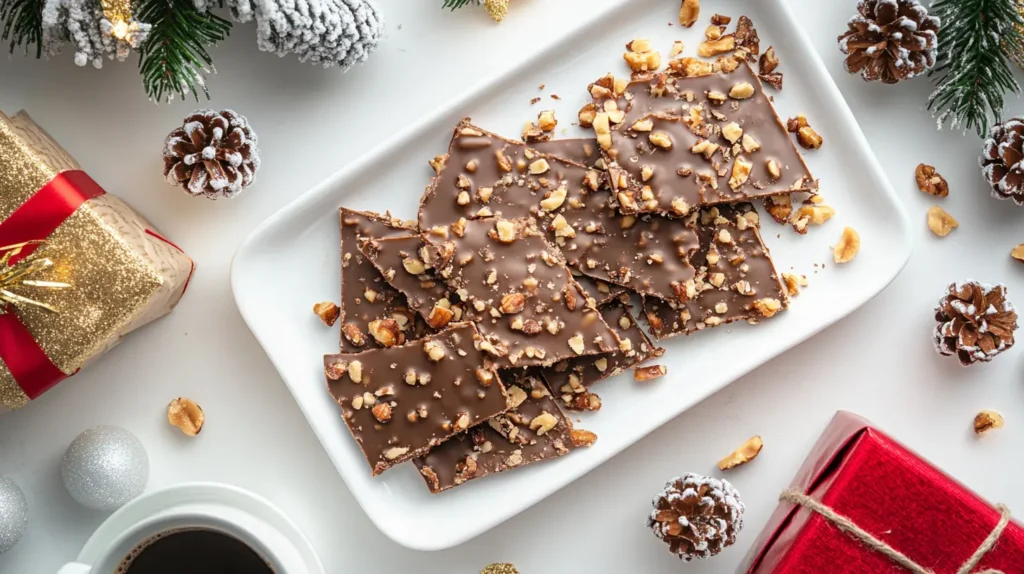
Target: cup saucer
x,y
204,493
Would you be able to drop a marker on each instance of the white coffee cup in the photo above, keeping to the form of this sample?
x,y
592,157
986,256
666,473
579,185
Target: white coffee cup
x,y
218,507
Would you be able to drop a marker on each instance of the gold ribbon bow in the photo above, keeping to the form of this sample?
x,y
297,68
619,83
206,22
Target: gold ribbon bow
x,y
13,276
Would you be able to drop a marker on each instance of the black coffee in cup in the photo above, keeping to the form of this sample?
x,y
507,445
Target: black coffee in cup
x,y
195,551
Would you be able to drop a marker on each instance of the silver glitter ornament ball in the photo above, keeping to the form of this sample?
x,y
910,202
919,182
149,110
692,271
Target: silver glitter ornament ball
x,y
105,467
13,514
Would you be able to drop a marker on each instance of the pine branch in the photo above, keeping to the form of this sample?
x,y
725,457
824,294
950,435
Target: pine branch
x,y
173,59
21,22
974,61
455,4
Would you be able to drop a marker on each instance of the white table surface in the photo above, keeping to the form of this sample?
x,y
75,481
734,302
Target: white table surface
x,y
879,362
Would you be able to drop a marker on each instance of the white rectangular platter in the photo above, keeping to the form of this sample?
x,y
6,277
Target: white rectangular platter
x,y
296,252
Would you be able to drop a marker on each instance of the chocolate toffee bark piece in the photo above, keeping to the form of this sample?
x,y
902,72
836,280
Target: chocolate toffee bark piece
x,y
700,141
570,379
402,401
532,312
365,296
600,291
648,254
533,430
407,264
736,279
583,151
485,175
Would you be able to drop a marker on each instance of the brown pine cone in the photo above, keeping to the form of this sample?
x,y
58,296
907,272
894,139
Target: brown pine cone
x,y
890,40
212,154
1001,160
976,322
697,516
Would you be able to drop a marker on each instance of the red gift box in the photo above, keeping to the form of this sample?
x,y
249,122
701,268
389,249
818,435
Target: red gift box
x,y
895,496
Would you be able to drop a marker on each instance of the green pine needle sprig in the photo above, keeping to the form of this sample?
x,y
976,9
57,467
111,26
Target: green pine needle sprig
x,y
455,4
977,42
174,58
21,23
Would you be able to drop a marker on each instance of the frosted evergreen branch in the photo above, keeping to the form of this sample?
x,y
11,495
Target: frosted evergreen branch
x,y
174,59
456,4
21,23
976,42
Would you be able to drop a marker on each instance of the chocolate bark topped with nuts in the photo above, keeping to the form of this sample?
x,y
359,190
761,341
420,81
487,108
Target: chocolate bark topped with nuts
x,y
533,430
402,401
532,312
583,151
736,279
600,291
365,296
570,379
485,175
702,140
407,264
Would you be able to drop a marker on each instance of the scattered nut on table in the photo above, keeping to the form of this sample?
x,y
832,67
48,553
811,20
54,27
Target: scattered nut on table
x,y
987,420
848,246
185,414
688,12
1018,252
940,222
742,455
328,312
929,181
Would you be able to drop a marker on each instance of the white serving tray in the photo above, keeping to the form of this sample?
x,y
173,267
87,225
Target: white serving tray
x,y
296,252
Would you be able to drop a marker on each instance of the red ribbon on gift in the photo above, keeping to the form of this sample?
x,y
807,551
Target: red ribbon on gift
x,y
36,219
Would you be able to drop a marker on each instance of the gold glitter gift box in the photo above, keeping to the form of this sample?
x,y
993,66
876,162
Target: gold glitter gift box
x,y
79,268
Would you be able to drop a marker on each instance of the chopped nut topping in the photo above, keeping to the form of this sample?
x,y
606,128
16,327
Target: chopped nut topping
x,y
713,32
513,303
721,45
768,306
414,266
355,371
644,125
576,344
516,396
688,12
543,422
438,163
587,114
335,370
395,452
328,312
793,283
581,438
930,182
741,91
462,422
382,412
774,171
848,246
539,166
357,402
940,222
768,61
732,132
554,199
750,145
506,231
385,332
439,317
185,414
661,139
740,172
485,377
677,48
352,333
546,120
650,373
434,350
805,135
742,455
603,130
987,420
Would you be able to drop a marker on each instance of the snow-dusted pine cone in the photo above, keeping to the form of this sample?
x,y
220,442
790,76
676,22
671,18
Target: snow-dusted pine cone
x,y
976,322
697,516
212,154
890,40
1002,160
